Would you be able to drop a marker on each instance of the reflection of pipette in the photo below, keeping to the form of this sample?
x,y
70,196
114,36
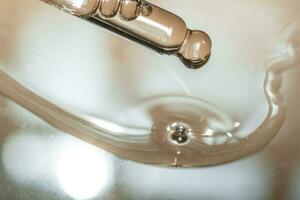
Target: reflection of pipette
x,y
145,23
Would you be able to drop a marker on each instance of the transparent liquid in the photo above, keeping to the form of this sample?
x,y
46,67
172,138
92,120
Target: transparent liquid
x,y
185,131
175,128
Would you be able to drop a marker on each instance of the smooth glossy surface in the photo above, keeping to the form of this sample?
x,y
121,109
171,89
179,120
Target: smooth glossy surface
x,y
36,157
213,137
130,9
109,8
80,8
161,28
148,24
196,49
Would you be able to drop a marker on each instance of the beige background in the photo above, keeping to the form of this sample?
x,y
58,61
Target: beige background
x,y
74,63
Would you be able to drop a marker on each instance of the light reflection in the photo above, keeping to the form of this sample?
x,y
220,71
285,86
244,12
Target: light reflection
x,y
32,156
27,157
78,3
82,172
164,35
